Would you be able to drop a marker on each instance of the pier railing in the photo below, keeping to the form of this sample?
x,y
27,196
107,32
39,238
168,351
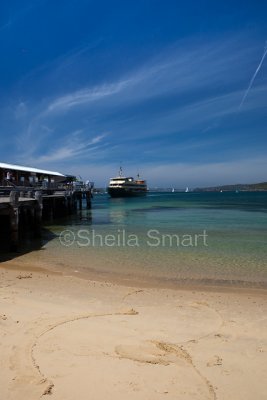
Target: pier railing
x,y
6,187
26,184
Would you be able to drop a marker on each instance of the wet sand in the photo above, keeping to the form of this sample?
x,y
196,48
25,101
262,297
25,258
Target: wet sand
x,y
71,338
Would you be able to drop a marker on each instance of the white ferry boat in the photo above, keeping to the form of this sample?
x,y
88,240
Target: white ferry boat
x,y
122,186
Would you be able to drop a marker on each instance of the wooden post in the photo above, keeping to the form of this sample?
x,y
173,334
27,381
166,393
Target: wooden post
x,y
66,206
38,212
72,202
88,200
80,200
51,205
14,220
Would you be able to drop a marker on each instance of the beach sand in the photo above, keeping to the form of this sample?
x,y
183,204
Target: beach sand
x,y
63,337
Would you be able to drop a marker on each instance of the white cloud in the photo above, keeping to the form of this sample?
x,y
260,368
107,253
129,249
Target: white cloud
x,y
182,68
194,86
84,96
73,146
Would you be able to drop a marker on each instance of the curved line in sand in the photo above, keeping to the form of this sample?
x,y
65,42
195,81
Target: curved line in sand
x,y
50,384
176,349
181,353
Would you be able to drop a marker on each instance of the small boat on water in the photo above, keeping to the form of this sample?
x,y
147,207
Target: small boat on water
x,y
122,186
187,190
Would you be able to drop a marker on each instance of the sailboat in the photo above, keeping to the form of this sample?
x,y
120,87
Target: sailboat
x,y
172,190
186,190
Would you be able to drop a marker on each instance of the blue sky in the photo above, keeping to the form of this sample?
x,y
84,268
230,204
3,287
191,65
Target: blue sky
x,y
159,86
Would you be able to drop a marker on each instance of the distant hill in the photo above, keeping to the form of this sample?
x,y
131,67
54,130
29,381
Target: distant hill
x,y
241,187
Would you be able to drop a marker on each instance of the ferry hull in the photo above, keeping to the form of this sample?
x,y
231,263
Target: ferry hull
x,y
125,192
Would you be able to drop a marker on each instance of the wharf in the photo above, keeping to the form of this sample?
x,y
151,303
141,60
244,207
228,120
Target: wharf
x,y
28,207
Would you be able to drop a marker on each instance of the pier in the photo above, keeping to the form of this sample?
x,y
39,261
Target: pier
x,y
30,208
26,203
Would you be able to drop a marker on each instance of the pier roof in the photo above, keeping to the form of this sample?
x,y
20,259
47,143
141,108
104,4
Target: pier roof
x,y
15,167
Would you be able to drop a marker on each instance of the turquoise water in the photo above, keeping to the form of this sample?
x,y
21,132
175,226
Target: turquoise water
x,y
212,238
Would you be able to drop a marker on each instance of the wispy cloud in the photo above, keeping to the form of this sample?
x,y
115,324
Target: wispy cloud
x,y
71,147
85,96
190,89
183,75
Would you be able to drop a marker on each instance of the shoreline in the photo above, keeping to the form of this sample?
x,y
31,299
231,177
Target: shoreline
x,y
205,284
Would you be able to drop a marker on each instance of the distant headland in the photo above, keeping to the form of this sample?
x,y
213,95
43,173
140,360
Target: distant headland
x,y
252,187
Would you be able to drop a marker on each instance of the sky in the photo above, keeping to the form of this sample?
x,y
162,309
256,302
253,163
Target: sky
x,y
173,90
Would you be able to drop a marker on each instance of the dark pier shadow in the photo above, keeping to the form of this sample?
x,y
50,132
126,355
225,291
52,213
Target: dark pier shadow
x,y
28,242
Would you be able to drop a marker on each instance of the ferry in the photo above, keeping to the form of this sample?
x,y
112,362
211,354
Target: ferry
x,y
122,186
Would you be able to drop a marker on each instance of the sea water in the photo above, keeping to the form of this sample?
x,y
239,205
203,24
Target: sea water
x,y
167,238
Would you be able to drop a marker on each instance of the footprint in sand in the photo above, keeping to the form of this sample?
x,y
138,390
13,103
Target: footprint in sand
x,y
214,361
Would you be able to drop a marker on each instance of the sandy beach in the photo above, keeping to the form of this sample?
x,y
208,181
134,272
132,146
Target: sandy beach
x,y
70,338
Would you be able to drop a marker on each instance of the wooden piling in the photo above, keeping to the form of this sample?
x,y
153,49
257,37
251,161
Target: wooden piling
x,y
14,220
38,213
88,200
